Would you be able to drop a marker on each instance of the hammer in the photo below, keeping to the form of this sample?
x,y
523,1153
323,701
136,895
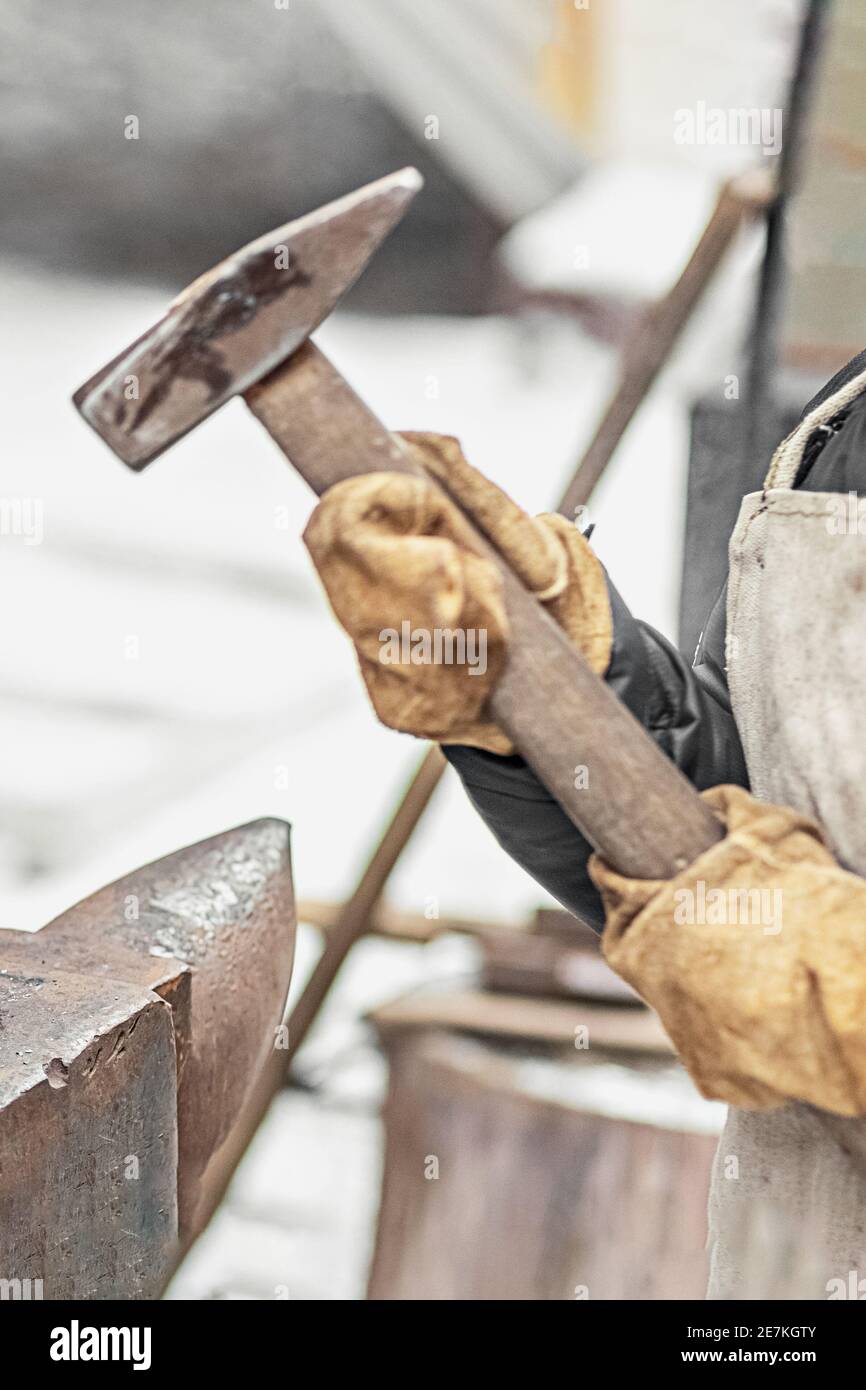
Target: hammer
x,y
243,328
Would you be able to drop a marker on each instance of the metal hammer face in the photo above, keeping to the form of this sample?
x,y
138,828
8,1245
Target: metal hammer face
x,y
239,321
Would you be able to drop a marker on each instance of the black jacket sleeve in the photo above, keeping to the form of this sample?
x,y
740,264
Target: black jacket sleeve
x,y
685,709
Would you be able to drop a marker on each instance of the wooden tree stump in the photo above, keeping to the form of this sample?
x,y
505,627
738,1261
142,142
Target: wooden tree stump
x,y
495,1188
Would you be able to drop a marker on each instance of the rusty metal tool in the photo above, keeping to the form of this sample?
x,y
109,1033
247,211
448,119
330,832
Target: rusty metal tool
x,y
132,1030
644,356
242,329
660,325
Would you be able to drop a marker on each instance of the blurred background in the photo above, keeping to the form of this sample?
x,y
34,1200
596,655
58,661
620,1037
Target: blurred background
x,y
168,666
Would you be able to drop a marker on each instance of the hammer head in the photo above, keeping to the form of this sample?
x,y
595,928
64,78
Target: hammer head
x,y
239,321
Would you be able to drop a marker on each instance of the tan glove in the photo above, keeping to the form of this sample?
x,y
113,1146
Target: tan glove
x,y
755,959
425,610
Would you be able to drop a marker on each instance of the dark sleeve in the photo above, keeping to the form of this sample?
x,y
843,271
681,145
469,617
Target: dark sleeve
x,y
685,709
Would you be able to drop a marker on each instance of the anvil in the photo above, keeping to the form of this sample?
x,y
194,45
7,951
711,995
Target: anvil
x,y
132,1029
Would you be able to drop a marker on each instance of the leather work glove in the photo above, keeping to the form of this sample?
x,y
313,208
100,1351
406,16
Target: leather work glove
x,y
425,610
754,958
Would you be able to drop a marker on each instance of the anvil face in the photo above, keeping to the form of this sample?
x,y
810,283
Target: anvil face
x,y
239,321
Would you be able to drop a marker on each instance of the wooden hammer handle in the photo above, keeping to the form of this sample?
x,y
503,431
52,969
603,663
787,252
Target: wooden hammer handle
x,y
623,794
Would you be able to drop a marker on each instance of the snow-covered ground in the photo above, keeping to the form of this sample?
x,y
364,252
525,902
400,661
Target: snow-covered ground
x,y
168,668
168,664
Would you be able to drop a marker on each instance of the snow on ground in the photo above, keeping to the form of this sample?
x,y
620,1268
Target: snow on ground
x,y
169,668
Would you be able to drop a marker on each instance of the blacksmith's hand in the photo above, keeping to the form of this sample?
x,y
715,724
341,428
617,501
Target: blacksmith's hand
x,y
753,958
425,611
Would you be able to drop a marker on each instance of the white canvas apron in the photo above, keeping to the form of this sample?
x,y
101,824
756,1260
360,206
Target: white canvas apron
x,y
787,1205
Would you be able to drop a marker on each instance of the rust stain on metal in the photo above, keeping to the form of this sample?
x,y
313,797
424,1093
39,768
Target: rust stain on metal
x,y
225,307
238,322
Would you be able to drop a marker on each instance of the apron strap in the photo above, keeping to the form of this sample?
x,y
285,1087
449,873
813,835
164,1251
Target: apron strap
x,y
789,455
